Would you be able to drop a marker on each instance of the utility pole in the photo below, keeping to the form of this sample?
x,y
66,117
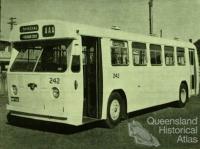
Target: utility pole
x,y
161,33
12,22
150,17
0,17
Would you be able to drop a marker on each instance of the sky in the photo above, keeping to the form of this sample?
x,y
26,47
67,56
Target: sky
x,y
176,18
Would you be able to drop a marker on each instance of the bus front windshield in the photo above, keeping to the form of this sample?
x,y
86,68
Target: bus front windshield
x,y
42,56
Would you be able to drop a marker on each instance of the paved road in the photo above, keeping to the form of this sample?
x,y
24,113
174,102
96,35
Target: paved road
x,y
40,135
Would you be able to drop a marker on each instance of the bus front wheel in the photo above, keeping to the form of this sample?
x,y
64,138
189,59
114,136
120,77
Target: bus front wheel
x,y
183,95
114,110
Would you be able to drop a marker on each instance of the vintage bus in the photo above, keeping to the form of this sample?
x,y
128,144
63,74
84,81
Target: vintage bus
x,y
75,74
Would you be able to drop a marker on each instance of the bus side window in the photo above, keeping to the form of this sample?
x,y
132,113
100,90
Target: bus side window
x,y
169,55
84,49
119,53
191,57
139,53
180,56
75,63
92,57
155,54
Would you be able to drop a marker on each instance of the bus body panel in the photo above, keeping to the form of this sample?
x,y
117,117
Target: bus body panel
x,y
40,102
137,88
144,86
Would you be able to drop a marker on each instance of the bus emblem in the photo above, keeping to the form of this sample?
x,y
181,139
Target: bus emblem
x,y
32,86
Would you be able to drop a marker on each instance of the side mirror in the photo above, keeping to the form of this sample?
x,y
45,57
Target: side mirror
x,y
75,63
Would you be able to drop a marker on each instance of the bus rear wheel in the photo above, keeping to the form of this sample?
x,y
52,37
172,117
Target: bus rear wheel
x,y
114,110
183,95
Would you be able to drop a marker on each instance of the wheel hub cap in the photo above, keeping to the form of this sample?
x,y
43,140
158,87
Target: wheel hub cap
x,y
183,95
115,109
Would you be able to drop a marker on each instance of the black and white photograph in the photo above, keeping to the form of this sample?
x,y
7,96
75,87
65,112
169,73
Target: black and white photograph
x,y
93,74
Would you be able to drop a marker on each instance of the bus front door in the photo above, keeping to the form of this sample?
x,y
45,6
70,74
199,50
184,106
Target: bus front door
x,y
92,75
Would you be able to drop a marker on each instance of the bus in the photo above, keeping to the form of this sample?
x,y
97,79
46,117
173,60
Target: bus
x,y
75,74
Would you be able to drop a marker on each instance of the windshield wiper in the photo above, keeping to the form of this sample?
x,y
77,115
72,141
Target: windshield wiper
x,y
37,60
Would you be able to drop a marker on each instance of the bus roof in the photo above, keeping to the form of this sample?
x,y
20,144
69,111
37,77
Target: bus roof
x,y
62,29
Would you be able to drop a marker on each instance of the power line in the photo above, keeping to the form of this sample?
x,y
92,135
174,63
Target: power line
x,y
12,22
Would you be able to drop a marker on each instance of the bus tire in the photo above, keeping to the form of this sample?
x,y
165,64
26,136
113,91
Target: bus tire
x,y
183,95
114,110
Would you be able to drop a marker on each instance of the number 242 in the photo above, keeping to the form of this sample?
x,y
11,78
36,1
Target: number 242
x,y
54,81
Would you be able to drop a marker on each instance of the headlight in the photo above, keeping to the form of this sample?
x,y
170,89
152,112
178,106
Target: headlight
x,y
56,92
14,89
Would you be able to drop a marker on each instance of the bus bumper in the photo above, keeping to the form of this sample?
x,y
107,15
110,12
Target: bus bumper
x,y
41,115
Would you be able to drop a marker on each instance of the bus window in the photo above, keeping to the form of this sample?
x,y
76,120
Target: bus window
x,y
155,54
26,58
191,56
42,56
119,53
169,55
180,56
139,53
75,63
84,50
92,57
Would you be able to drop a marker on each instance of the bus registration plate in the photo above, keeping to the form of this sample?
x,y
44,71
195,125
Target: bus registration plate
x,y
15,99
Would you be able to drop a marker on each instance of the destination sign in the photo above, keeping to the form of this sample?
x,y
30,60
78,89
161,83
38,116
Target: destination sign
x,y
48,30
29,28
29,36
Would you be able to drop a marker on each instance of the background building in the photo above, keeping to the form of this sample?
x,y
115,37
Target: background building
x,y
5,54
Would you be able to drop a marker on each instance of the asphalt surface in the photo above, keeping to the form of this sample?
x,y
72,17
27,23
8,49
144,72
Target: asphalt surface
x,y
27,134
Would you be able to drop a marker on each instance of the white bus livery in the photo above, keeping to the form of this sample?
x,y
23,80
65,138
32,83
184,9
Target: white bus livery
x,y
74,74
